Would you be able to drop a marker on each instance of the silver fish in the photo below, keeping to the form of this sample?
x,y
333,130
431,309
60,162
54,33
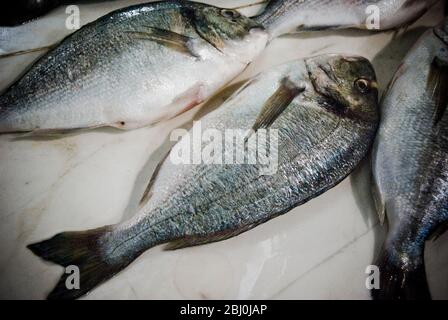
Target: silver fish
x,y
133,67
410,166
324,111
288,16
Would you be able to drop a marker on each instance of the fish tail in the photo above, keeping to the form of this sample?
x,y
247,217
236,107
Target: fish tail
x,y
399,280
86,250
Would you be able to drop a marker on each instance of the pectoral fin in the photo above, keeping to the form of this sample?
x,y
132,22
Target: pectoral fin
x,y
167,38
277,103
437,87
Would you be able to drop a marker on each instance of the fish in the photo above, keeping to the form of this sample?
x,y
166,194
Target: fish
x,y
410,166
132,67
318,115
290,16
24,11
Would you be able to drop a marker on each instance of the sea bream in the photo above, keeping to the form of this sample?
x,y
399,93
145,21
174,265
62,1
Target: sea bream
x,y
133,67
410,166
324,113
289,16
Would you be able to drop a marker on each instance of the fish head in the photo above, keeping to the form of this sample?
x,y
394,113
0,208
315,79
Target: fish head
x,y
231,32
346,84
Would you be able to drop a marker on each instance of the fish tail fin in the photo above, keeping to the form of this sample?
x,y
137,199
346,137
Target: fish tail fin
x,y
399,281
85,250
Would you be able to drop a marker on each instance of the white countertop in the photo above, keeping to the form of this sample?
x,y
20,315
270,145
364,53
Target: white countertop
x,y
317,251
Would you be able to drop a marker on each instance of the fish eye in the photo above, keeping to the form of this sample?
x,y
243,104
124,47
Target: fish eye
x,y
362,85
230,14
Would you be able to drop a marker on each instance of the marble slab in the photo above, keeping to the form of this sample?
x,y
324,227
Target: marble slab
x,y
317,251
